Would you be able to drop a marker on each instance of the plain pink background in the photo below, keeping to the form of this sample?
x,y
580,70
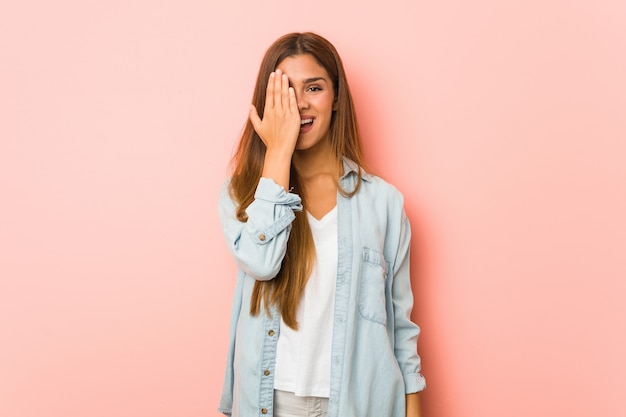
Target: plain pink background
x,y
503,122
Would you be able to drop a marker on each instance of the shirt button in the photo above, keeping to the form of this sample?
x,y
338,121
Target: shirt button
x,y
266,372
264,410
262,237
271,333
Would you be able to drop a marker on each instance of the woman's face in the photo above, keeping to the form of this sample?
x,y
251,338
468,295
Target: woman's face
x,y
315,95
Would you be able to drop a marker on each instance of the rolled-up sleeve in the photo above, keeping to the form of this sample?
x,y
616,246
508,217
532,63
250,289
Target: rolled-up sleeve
x,y
259,244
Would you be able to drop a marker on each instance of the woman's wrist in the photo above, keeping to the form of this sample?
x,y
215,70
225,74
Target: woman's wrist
x,y
413,406
277,166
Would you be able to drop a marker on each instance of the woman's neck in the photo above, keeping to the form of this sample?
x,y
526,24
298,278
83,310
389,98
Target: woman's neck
x,y
317,161
318,171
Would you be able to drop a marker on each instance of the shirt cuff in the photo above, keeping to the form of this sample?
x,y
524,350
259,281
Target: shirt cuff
x,y
414,383
269,191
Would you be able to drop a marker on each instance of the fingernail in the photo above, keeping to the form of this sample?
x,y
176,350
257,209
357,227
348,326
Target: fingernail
x,y
271,74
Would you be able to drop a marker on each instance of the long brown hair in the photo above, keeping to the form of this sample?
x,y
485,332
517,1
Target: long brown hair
x,y
287,287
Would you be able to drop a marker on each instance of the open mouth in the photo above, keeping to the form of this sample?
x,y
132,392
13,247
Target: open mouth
x,y
306,123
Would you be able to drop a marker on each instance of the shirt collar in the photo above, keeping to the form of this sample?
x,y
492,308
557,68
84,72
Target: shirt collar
x,y
350,166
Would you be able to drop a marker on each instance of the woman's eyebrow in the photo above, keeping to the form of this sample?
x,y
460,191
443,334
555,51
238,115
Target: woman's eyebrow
x,y
313,79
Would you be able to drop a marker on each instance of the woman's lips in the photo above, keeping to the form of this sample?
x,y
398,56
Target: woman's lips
x,y
306,123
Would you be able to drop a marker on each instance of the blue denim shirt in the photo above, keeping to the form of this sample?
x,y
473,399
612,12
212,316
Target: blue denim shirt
x,y
374,360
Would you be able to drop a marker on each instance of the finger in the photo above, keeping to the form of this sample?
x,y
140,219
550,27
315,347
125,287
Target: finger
x,y
293,102
269,93
278,78
285,93
254,118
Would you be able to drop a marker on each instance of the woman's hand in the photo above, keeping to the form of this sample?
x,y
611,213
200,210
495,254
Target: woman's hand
x,y
279,128
281,119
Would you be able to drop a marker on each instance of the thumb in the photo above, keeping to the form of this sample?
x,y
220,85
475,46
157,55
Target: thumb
x,y
254,118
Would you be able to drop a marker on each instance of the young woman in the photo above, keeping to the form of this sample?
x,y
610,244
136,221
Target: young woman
x,y
321,317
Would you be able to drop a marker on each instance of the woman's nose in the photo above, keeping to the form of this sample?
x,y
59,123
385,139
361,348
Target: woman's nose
x,y
301,100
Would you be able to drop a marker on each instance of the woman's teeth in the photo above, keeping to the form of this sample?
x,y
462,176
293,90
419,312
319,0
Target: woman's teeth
x,y
305,121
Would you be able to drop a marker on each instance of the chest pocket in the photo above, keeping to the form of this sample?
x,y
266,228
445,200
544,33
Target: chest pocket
x,y
372,286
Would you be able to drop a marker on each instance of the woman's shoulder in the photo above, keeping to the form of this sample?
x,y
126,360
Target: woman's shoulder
x,y
373,185
382,190
225,190
378,182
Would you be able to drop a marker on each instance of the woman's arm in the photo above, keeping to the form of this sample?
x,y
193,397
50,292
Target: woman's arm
x,y
413,406
258,245
406,332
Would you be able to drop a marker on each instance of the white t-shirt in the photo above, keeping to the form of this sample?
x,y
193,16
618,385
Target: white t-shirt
x,y
303,356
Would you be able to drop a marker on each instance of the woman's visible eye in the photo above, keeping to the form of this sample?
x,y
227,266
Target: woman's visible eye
x,y
314,88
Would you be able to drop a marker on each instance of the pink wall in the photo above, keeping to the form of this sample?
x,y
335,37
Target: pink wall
x,y
502,122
